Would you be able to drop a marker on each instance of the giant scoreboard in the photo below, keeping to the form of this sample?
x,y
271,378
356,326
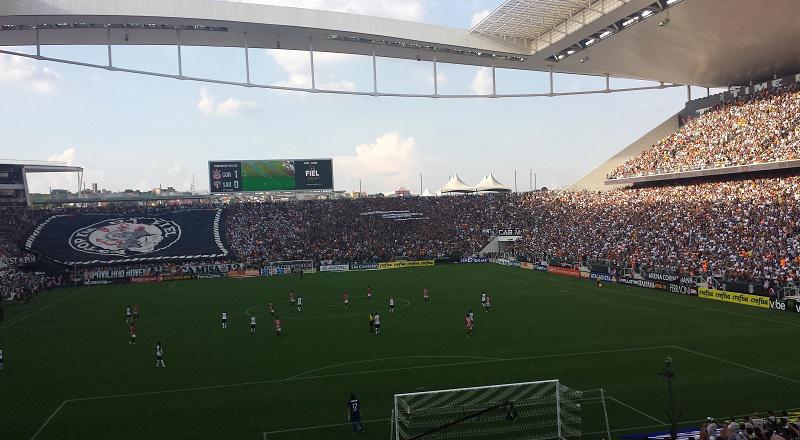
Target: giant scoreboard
x,y
228,176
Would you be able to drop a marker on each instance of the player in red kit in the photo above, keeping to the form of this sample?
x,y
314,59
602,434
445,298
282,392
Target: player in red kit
x,y
277,326
132,333
346,299
468,324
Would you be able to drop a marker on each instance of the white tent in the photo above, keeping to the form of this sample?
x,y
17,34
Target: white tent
x,y
456,185
426,193
490,184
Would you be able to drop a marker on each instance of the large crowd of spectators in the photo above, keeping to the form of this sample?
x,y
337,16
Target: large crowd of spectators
x,y
368,228
752,129
738,230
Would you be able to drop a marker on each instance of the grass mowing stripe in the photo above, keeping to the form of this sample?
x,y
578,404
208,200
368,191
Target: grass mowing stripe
x,y
736,364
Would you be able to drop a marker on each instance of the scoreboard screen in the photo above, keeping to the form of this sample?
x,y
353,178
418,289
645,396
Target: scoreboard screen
x,y
270,175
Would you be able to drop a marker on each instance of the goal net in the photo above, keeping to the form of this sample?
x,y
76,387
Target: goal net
x,y
521,411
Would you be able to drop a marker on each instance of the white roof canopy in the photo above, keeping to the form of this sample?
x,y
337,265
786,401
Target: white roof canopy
x,y
456,185
490,184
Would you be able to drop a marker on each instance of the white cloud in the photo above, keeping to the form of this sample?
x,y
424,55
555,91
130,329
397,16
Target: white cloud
x,y
385,164
297,66
478,16
67,156
482,82
413,10
27,74
229,107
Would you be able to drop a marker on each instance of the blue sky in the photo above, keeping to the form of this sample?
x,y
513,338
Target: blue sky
x,y
131,131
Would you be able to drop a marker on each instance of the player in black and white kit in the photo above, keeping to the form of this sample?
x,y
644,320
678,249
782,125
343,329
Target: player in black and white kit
x,y
252,324
377,321
299,302
391,304
1,358
128,314
160,355
224,319
483,299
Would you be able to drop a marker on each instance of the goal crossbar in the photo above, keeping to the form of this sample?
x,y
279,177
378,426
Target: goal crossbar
x,y
537,410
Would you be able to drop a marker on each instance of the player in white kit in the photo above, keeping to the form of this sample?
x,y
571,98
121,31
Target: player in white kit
x,y
224,319
252,324
160,355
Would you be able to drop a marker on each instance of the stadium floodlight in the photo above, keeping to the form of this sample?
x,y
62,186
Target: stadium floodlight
x,y
630,21
590,41
520,411
672,2
571,51
605,33
646,13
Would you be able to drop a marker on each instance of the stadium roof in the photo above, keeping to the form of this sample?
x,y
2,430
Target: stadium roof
x,y
711,43
490,184
456,185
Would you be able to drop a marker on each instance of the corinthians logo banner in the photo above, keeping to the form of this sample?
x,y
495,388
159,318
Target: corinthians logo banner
x,y
86,239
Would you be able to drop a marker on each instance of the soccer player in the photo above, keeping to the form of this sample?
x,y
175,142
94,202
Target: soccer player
x,y
271,309
252,324
468,324
354,414
425,294
391,304
471,316
136,312
224,319
483,298
132,333
598,282
371,323
377,320
1,358
369,293
346,299
127,313
160,355
299,302
488,303
291,297
277,326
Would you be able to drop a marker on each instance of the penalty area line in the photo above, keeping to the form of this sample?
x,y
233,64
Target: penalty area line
x,y
46,422
309,428
29,314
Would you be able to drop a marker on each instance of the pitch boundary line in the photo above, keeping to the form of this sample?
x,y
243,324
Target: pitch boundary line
x,y
364,361
736,364
653,298
332,425
636,410
29,314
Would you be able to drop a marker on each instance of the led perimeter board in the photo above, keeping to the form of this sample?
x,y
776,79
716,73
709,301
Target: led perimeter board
x,y
230,176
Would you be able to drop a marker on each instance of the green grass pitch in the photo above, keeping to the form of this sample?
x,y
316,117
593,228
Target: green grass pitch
x,y
71,374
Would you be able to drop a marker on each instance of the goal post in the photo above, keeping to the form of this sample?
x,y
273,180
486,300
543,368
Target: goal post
x,y
540,410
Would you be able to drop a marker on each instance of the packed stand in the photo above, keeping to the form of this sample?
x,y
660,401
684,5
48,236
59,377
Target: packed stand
x,y
369,228
740,230
752,129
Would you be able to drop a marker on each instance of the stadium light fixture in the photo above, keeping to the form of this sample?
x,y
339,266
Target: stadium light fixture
x,y
646,13
605,33
630,21
672,2
590,41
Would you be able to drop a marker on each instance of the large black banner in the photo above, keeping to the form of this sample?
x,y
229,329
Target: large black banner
x,y
88,239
